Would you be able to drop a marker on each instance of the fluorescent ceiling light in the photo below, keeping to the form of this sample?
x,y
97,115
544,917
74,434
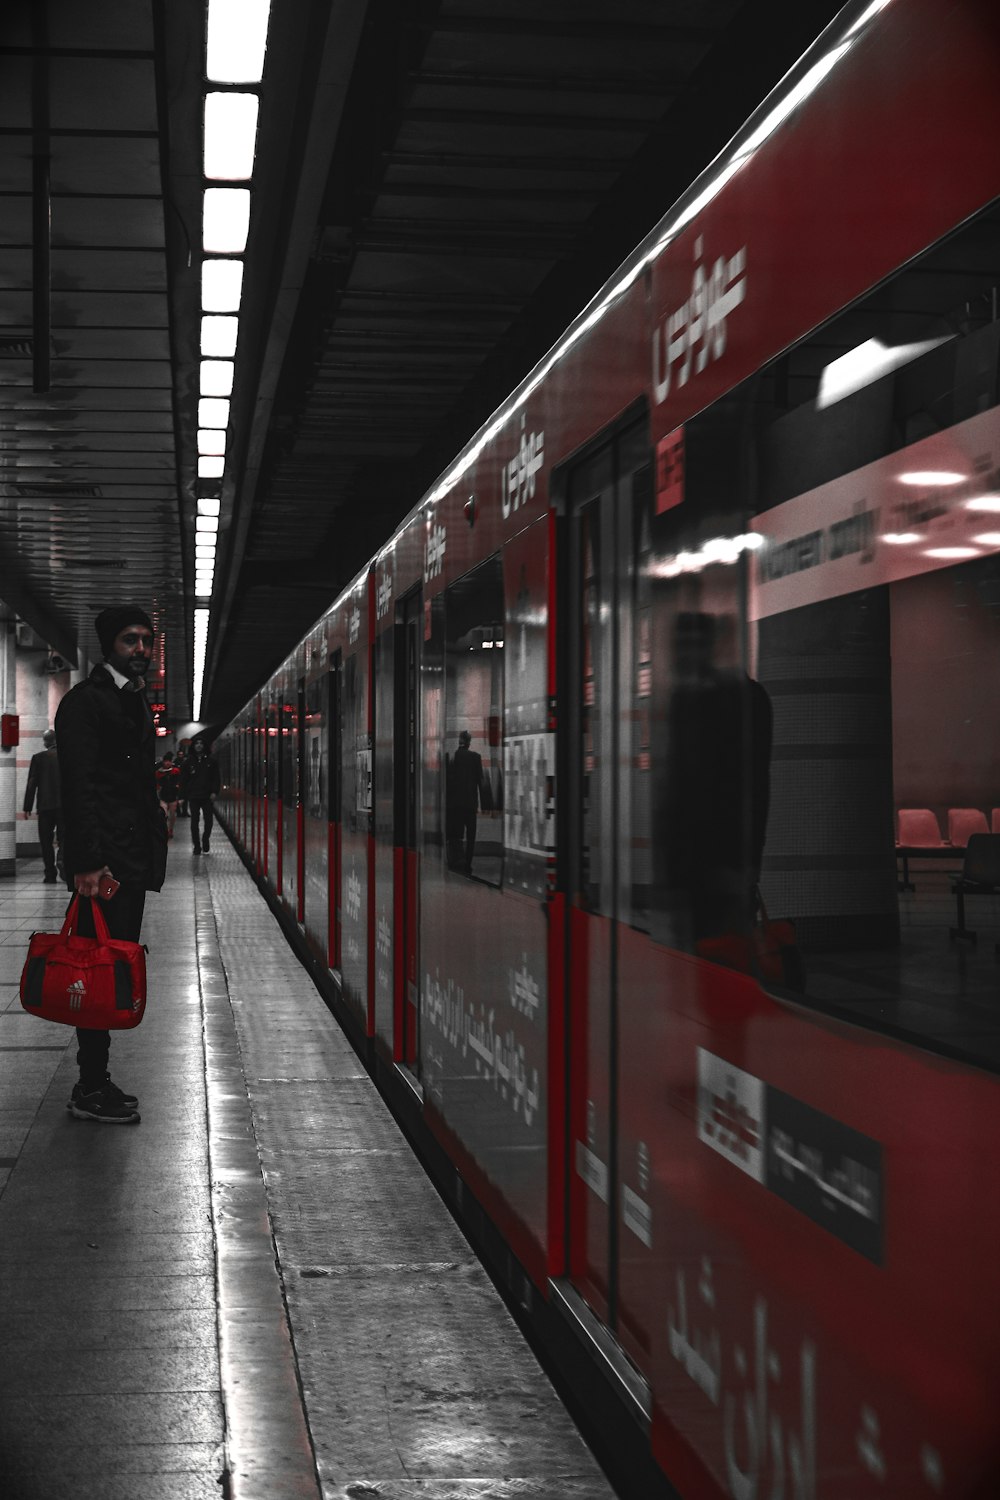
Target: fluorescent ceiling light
x,y
954,552
211,440
203,556
218,337
901,538
213,412
221,285
209,507
931,478
203,588
988,539
989,503
226,220
217,377
237,40
206,523
211,468
230,136
867,363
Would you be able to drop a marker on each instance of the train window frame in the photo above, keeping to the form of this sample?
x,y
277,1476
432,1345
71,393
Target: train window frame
x,y
831,649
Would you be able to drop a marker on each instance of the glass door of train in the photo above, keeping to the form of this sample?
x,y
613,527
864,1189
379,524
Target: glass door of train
x,y
609,839
409,633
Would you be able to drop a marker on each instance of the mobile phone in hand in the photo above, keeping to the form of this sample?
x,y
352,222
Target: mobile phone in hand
x,y
107,888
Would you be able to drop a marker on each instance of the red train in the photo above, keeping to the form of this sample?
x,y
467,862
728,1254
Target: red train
x,y
713,596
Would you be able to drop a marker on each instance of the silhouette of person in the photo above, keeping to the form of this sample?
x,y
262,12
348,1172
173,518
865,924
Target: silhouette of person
x,y
718,782
465,784
44,782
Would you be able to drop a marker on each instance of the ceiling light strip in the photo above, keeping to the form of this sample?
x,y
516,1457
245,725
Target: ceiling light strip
x,y
236,47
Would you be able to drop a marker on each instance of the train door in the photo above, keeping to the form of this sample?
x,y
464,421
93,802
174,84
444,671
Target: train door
x,y
605,510
409,632
333,754
315,869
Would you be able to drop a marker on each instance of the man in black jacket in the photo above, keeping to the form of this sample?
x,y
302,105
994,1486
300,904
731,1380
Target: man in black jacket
x,y
113,825
43,783
199,784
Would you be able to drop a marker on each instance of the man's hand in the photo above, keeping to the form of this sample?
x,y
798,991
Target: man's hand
x,y
88,882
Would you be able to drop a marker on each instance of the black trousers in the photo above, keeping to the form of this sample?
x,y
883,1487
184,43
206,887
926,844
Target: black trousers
x,y
123,914
201,805
48,830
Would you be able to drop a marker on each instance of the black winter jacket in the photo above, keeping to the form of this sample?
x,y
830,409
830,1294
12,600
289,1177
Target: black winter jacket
x,y
200,775
110,812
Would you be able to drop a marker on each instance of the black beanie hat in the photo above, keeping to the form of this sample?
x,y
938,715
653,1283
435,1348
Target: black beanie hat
x,y
111,622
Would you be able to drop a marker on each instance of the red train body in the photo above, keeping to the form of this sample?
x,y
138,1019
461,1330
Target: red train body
x,y
776,1200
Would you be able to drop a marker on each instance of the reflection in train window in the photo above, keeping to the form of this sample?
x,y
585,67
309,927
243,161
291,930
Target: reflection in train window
x,y
473,780
833,564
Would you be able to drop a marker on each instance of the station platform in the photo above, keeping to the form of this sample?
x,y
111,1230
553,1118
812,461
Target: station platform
x,y
256,1293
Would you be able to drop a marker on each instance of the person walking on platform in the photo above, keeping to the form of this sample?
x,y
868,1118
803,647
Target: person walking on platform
x,y
168,780
43,782
199,784
113,826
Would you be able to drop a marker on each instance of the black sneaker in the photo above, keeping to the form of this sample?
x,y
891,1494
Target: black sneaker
x,y
104,1106
196,851
119,1095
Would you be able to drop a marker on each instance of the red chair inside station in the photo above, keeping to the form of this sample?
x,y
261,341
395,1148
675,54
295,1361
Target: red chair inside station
x,y
919,829
963,822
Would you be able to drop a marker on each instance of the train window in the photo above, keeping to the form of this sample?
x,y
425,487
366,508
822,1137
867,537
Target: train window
x,y
825,619
473,741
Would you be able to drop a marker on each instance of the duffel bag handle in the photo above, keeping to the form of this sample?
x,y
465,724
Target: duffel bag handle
x,y
69,926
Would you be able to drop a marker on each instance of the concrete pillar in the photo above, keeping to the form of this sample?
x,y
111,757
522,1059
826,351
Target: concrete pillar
x,y
33,708
8,758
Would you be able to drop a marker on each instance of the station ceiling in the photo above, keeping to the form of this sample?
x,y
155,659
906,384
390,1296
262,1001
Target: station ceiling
x,y
439,186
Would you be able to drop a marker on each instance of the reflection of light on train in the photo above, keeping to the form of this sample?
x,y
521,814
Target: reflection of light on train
x,y
713,637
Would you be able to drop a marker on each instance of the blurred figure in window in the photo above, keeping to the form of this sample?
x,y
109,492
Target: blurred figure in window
x,y
718,782
465,794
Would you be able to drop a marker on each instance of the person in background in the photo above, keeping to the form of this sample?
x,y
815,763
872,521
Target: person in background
x,y
168,780
199,784
112,824
183,746
465,793
43,782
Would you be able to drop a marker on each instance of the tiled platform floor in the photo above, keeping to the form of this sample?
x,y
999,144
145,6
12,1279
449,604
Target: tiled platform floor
x,y
255,1293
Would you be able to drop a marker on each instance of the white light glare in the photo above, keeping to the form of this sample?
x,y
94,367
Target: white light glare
x,y
901,538
952,552
867,363
931,478
221,285
211,440
806,85
719,549
211,468
206,523
217,377
988,538
990,503
237,40
230,136
865,16
226,220
209,507
213,413
218,337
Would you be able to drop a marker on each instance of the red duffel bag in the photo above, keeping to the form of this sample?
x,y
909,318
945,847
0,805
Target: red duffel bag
x,y
98,983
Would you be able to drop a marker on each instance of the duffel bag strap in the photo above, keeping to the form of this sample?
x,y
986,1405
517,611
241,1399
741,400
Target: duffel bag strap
x,y
69,926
